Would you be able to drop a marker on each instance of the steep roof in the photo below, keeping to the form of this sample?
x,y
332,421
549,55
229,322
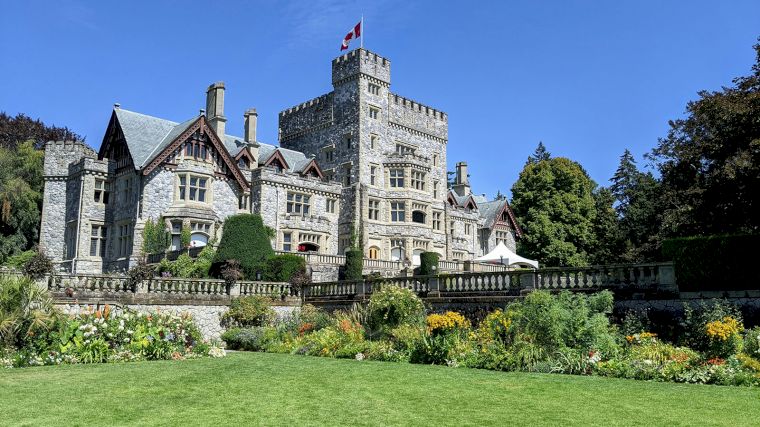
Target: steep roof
x,y
147,136
490,210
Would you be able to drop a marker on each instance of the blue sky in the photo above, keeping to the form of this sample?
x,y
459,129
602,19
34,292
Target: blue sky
x,y
589,79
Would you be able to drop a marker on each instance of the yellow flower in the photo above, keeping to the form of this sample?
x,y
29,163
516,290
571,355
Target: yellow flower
x,y
723,329
447,321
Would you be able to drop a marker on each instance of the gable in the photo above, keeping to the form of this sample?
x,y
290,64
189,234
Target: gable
x,y
198,132
114,146
312,168
506,213
277,159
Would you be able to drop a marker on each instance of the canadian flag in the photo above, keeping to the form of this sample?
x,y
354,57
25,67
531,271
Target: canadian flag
x,y
353,34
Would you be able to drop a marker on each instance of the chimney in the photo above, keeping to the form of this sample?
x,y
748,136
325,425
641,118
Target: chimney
x,y
251,118
215,108
462,182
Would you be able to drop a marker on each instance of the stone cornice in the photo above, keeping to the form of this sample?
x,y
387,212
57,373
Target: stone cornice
x,y
417,132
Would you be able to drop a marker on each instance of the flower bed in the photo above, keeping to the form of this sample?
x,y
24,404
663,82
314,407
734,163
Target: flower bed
x,y
563,333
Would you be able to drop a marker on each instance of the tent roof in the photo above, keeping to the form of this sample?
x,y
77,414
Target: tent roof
x,y
502,254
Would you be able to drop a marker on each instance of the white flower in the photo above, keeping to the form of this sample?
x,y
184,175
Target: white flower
x,y
359,356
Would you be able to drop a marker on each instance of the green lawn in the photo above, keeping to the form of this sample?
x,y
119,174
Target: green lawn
x,y
271,389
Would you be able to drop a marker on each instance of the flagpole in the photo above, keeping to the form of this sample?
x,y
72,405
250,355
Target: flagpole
x,y
361,44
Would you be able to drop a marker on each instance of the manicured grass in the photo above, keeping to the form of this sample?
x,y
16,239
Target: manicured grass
x,y
270,389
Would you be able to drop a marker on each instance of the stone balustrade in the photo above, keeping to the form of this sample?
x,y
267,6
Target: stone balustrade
x,y
634,277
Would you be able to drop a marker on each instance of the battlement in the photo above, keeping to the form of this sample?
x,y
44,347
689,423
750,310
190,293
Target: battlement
x,y
360,61
60,154
325,100
416,107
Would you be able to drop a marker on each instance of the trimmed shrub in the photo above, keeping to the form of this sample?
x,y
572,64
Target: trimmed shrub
x,y
752,342
714,262
354,264
428,260
281,268
248,311
245,239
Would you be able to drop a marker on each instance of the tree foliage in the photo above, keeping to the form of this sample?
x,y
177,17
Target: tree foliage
x,y
245,239
15,130
554,204
20,198
638,201
540,154
710,162
609,238
156,237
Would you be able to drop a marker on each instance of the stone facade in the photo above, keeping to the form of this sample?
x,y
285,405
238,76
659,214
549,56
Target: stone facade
x,y
359,161
389,152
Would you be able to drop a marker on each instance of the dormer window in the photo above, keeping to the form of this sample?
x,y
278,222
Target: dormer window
x,y
243,163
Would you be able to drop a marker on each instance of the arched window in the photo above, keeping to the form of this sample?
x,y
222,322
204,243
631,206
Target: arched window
x,y
374,252
308,247
198,239
418,217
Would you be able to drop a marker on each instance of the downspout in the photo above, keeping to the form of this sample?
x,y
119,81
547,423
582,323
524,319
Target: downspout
x,y
79,224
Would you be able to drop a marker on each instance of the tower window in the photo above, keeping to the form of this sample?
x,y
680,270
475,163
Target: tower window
x,y
397,178
373,210
374,89
373,113
298,203
102,191
398,212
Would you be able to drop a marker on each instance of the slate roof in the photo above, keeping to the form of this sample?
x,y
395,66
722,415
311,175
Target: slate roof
x,y
147,136
489,211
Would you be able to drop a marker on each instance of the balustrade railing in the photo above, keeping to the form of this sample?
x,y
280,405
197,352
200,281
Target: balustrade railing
x,y
636,275
9,273
271,289
89,282
187,286
509,281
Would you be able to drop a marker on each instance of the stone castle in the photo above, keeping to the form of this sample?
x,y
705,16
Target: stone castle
x,y
359,161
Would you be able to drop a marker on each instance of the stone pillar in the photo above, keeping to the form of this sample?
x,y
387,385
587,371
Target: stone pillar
x,y
233,290
434,287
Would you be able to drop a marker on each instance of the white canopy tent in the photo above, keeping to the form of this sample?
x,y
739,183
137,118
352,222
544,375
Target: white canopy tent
x,y
503,255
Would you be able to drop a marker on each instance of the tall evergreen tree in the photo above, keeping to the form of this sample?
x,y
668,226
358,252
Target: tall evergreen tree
x,y
540,154
610,243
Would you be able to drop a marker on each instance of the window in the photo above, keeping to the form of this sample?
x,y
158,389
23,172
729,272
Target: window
x,y
418,217
436,221
188,149
404,149
374,210
372,141
374,252
418,180
398,212
372,175
125,240
373,89
451,228
244,202
347,176
435,159
126,190
397,250
502,237
98,241
397,178
347,140
287,239
435,189
102,191
331,203
70,239
373,113
308,242
192,188
329,155
243,163
468,229
176,235
458,255
298,203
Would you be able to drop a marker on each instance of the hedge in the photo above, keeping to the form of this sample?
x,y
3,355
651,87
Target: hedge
x,y
280,268
354,264
714,262
428,260
245,239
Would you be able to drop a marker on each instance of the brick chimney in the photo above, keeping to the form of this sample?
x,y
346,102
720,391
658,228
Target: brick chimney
x,y
215,108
